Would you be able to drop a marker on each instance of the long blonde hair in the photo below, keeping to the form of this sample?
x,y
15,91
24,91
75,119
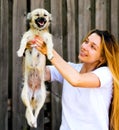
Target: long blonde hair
x,y
110,54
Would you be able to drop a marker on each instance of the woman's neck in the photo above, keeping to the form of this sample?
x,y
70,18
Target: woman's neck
x,y
88,67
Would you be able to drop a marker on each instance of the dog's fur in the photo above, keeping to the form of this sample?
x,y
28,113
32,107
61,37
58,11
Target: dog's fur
x,y
34,93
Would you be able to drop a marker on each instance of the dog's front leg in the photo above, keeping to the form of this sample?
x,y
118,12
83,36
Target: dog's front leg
x,y
49,50
49,43
22,47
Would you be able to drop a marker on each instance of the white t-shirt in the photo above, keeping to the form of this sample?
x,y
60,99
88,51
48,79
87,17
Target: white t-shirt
x,y
85,108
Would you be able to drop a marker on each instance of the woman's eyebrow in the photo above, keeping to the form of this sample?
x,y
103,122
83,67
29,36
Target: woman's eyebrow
x,y
93,43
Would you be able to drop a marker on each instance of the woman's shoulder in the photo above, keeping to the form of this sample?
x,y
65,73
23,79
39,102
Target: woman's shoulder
x,y
103,68
103,72
105,76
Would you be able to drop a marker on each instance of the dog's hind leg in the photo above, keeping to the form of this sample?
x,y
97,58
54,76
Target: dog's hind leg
x,y
31,120
29,114
41,101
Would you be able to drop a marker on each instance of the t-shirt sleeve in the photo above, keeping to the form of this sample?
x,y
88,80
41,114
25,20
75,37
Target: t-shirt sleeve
x,y
104,76
55,75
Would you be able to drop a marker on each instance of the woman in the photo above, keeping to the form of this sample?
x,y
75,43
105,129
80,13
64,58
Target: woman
x,y
88,87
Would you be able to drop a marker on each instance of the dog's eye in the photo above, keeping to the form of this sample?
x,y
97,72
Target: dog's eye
x,y
37,14
45,14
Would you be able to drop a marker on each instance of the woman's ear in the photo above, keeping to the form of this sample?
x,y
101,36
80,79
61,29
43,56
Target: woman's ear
x,y
102,60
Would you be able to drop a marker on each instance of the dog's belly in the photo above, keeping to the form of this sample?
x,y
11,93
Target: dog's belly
x,y
34,79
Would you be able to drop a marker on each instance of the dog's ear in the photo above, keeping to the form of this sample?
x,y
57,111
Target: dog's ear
x,y
29,16
28,20
50,17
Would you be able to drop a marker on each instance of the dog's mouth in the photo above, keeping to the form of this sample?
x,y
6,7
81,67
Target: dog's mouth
x,y
41,21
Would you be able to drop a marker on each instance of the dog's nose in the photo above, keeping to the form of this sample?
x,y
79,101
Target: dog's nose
x,y
41,19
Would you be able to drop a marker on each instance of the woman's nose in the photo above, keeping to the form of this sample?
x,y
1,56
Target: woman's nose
x,y
85,46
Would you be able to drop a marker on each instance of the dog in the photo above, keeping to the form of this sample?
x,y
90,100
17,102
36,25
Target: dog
x,y
33,93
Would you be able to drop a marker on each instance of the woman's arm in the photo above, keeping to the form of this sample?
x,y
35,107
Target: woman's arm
x,y
47,74
75,78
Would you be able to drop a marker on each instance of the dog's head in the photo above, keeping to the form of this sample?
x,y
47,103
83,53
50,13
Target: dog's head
x,y
39,19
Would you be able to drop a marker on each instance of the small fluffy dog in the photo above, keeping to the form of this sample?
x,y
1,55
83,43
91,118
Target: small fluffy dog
x,y
33,93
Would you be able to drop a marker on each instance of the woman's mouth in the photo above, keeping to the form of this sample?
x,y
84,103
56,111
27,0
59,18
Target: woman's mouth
x,y
82,53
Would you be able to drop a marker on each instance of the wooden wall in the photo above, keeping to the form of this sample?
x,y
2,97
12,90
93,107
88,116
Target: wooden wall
x,y
72,19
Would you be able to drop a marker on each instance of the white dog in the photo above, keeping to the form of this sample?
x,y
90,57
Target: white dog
x,y
34,93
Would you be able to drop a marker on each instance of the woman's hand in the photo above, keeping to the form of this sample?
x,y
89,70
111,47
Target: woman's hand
x,y
38,43
41,45
31,43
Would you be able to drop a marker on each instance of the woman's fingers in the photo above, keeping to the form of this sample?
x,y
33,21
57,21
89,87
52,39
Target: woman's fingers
x,y
42,49
29,44
39,44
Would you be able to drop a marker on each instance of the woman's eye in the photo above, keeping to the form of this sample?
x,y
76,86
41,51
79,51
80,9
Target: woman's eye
x,y
93,47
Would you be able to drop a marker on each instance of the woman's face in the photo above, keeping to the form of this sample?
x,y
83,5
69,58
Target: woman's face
x,y
90,51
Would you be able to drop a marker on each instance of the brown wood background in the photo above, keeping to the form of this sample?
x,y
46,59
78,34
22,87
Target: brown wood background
x,y
72,19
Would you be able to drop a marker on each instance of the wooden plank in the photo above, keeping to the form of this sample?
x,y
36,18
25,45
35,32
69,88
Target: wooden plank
x,y
87,16
80,20
76,32
101,14
115,18
3,64
37,4
64,29
84,18
56,30
92,17
56,25
56,92
108,19
10,3
71,35
19,27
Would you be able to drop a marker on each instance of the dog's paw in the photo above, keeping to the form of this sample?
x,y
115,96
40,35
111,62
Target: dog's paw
x,y
19,53
31,119
32,122
35,124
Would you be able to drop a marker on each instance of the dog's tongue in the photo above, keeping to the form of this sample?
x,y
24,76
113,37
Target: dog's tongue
x,y
41,23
